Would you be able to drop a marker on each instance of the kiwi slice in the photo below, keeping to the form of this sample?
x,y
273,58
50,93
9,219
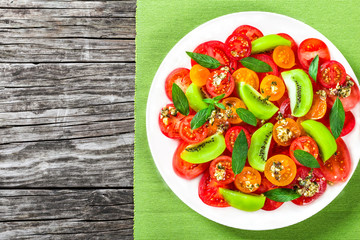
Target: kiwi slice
x,y
300,91
205,151
242,201
267,43
259,147
195,98
255,102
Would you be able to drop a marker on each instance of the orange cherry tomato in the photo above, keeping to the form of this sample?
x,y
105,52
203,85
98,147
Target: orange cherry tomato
x,y
247,76
248,180
273,87
231,104
199,75
284,57
219,124
285,131
318,108
280,170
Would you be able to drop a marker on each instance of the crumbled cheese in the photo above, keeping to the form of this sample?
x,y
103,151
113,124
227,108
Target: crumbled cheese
x,y
342,90
225,68
284,134
217,78
220,172
322,93
307,187
274,88
275,170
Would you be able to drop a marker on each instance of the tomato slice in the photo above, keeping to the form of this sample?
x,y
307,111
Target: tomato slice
x,y
318,108
220,123
285,131
280,170
185,169
220,82
268,60
293,45
338,167
238,46
272,87
304,143
215,49
209,191
199,75
309,48
349,124
189,135
181,77
221,170
348,102
251,32
169,121
248,76
232,134
248,180
231,104
265,186
284,57
310,184
285,109
331,73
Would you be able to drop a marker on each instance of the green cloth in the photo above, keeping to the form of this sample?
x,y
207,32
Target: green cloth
x,y
160,24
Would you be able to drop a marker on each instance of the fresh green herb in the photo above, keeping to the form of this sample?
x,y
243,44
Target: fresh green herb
x,y
282,194
218,98
239,153
200,118
337,118
204,60
255,64
247,116
313,69
306,159
220,105
180,101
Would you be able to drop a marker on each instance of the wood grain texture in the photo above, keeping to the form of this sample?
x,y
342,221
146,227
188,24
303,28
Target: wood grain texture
x,y
66,119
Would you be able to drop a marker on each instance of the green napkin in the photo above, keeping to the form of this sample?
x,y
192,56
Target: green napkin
x,y
160,24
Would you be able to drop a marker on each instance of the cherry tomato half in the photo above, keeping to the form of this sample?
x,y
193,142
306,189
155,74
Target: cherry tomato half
x,y
349,124
221,170
309,48
338,167
181,77
220,82
251,32
306,144
231,104
280,170
285,131
169,121
310,184
185,169
232,134
248,180
268,60
247,76
238,46
318,108
209,191
199,75
284,57
273,87
331,73
293,45
265,186
285,109
189,135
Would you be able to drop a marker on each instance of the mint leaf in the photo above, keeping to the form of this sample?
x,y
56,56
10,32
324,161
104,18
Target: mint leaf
x,y
256,65
246,116
200,118
204,60
220,105
282,194
313,69
337,118
209,100
180,101
239,154
218,98
306,159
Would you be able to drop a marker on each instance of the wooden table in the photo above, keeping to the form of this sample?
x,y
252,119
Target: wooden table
x,y
66,119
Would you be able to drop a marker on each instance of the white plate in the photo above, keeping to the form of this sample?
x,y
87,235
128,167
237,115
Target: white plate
x,y
162,148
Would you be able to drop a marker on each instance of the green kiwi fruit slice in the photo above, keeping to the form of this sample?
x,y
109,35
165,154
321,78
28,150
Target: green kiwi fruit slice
x,y
195,98
300,91
255,102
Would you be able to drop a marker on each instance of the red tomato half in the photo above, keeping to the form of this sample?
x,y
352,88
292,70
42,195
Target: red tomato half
x,y
306,144
169,121
185,169
311,184
265,186
309,48
189,135
270,61
251,32
232,134
293,46
285,109
220,82
338,167
331,73
209,191
221,170
349,124
238,46
215,49
181,77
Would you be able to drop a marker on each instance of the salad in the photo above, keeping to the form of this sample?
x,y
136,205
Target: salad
x,y
261,118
